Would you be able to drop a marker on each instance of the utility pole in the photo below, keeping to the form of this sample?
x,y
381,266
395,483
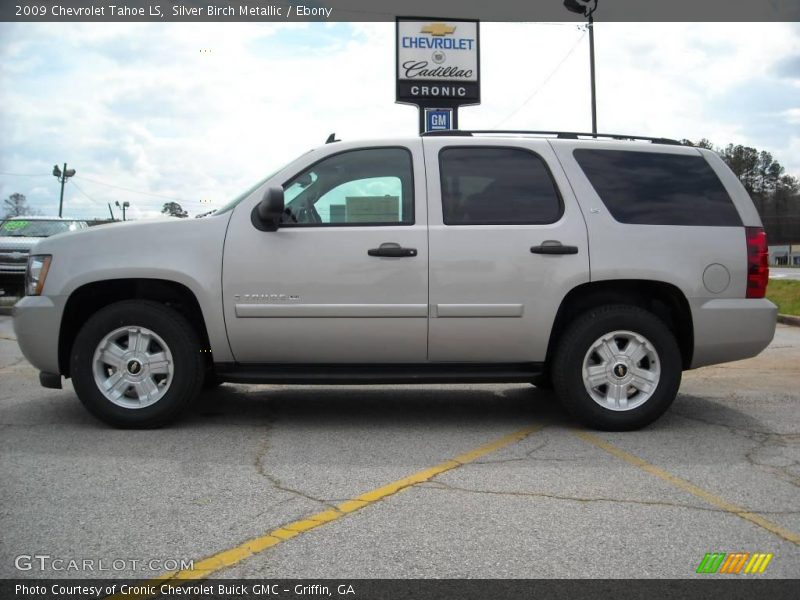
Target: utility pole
x,y
62,177
587,8
591,72
123,206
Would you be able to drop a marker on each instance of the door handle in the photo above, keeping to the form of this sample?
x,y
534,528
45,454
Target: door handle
x,y
553,247
392,250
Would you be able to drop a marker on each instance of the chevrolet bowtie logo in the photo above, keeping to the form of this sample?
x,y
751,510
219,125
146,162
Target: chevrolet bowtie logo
x,y
438,29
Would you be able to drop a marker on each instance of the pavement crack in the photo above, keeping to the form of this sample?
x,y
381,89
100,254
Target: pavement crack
x,y
737,429
780,471
763,441
261,470
438,485
498,461
529,455
11,366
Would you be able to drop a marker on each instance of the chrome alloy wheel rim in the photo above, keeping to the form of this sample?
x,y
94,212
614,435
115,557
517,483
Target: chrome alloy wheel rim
x,y
133,367
621,370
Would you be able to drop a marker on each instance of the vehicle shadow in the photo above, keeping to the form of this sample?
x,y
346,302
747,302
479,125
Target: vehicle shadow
x,y
447,406
376,407
704,412
412,405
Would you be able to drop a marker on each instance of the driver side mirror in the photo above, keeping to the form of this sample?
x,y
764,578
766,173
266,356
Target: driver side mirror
x,y
267,213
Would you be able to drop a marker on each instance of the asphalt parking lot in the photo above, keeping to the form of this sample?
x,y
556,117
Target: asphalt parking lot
x,y
359,482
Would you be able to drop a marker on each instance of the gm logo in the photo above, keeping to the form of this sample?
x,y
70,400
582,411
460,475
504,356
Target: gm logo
x,y
438,119
734,563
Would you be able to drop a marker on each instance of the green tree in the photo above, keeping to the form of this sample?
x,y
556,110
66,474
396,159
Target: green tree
x,y
174,210
703,143
775,194
744,162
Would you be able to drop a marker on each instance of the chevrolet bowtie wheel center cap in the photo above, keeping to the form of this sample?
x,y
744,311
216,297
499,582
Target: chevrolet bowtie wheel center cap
x,y
134,367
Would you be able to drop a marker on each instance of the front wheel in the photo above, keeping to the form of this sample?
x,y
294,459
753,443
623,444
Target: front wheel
x,y
617,368
136,364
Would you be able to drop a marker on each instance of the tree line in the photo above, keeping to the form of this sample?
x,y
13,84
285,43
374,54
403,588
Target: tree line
x,y
775,193
16,205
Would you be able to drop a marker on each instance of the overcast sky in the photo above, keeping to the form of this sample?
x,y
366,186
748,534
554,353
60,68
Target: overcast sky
x,y
140,106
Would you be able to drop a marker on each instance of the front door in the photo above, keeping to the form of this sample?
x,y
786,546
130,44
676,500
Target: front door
x,y
345,277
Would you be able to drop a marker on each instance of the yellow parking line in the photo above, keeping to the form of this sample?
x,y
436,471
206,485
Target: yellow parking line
x,y
205,567
684,485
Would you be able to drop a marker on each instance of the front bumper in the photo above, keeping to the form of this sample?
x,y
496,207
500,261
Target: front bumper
x,y
731,329
37,324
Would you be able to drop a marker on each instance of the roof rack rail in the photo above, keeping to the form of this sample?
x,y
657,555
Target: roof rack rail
x,y
564,135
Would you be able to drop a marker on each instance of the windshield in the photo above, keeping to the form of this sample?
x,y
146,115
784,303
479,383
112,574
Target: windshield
x,y
250,190
38,228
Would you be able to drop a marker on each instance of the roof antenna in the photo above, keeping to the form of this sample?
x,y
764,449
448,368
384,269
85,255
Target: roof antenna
x,y
331,139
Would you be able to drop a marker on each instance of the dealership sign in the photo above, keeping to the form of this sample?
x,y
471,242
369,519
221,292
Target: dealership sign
x,y
438,63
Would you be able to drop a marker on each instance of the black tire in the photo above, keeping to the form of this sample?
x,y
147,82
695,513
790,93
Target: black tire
x,y
567,368
211,381
174,330
543,381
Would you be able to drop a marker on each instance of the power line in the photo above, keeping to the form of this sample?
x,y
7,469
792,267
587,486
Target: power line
x,y
75,185
105,184
544,83
119,187
23,174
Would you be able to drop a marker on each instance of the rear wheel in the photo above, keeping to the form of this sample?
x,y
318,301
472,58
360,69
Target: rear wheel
x,y
136,364
617,368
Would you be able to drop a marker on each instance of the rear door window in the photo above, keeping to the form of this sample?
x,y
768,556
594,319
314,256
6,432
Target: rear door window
x,y
653,188
497,186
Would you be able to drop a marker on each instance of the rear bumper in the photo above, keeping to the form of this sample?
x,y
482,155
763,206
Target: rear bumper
x,y
731,329
37,324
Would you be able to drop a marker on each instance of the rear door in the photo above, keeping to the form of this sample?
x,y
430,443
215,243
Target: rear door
x,y
507,242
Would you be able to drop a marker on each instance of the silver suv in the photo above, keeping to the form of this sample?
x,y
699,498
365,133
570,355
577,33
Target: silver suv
x,y
603,267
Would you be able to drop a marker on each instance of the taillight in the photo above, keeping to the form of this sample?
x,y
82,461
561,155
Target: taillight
x,y
757,262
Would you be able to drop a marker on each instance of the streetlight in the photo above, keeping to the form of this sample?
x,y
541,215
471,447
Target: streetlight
x,y
62,177
123,206
587,8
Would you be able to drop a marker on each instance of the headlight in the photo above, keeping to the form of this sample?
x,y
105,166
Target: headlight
x,y
36,273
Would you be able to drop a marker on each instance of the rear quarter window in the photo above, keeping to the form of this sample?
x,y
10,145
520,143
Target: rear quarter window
x,y
652,188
